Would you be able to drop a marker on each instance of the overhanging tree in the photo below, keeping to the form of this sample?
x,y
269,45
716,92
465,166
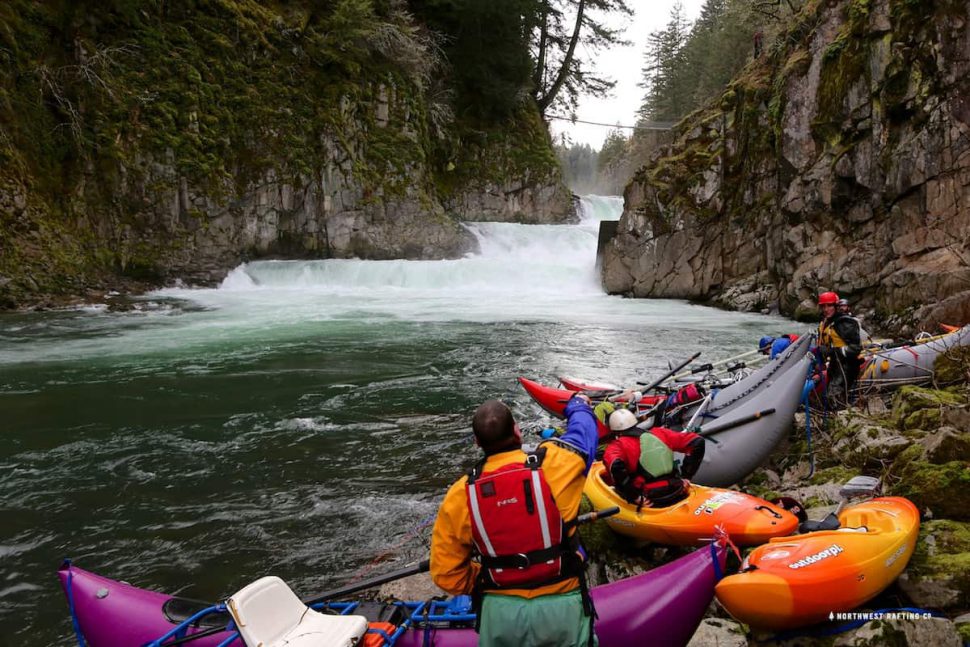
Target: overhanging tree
x,y
561,29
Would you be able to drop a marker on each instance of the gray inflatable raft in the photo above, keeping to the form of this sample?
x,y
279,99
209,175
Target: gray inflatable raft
x,y
734,453
912,364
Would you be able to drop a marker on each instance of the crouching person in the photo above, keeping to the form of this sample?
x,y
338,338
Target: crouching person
x,y
640,463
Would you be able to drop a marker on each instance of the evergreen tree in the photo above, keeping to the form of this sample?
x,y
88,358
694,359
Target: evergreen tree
x,y
566,35
613,150
663,69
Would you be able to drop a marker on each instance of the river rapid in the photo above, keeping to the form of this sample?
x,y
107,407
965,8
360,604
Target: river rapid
x,y
304,418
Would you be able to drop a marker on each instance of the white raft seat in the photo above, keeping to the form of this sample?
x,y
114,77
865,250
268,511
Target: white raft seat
x,y
268,614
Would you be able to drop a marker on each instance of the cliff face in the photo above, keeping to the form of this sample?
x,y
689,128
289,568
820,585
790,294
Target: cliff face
x,y
841,160
147,141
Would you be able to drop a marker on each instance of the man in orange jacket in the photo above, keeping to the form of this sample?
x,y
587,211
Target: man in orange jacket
x,y
514,512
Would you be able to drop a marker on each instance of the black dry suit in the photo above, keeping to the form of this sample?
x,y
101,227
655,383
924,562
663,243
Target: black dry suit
x,y
840,341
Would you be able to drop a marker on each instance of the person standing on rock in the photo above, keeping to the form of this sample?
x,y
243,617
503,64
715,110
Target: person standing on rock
x,y
839,345
514,511
844,308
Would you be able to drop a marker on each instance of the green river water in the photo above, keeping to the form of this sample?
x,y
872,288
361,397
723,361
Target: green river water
x,y
302,419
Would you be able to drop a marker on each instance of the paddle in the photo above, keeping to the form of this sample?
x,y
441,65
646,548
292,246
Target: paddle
x,y
593,516
735,423
723,361
666,376
377,580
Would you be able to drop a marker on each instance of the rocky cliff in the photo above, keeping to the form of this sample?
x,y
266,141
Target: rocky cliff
x,y
840,160
150,141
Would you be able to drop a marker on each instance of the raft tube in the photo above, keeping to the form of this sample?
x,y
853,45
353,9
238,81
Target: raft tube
x,y
666,604
909,364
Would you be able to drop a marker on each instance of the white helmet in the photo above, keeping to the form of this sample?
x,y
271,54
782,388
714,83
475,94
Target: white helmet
x,y
622,419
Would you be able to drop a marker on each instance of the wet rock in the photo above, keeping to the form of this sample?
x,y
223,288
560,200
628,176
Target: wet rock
x,y
870,445
938,632
718,632
848,169
414,587
962,624
938,574
958,417
946,444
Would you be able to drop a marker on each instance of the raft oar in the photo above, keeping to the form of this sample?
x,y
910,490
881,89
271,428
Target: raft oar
x,y
377,580
666,376
589,517
735,423
721,362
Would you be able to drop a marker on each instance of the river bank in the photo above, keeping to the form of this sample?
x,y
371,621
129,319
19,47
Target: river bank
x,y
917,442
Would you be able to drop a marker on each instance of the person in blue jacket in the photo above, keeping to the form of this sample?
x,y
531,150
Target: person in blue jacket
x,y
773,347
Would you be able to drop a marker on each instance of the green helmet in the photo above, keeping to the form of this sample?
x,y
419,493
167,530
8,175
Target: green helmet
x,y
655,457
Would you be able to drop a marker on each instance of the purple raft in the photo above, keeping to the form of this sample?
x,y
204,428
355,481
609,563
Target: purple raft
x,y
666,604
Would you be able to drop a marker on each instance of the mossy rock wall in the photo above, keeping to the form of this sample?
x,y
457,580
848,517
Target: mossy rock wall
x,y
152,140
837,160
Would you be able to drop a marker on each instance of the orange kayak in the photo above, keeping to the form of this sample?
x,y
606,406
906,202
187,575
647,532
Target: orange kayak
x,y
748,520
797,581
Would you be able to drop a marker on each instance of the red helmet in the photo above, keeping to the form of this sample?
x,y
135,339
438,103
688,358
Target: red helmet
x,y
828,299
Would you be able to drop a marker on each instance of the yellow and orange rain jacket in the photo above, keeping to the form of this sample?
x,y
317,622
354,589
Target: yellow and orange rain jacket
x,y
565,464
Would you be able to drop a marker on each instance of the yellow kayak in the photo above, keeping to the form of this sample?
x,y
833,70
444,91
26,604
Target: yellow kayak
x,y
748,520
796,581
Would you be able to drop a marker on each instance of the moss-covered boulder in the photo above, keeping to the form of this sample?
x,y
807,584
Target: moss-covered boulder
x,y
952,366
938,575
946,444
881,633
938,632
943,488
597,537
921,408
869,445
963,627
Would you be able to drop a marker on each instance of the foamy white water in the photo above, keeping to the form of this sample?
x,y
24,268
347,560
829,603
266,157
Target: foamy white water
x,y
523,273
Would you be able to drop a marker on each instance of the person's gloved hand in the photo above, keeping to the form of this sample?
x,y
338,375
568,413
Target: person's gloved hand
x,y
547,433
620,474
634,490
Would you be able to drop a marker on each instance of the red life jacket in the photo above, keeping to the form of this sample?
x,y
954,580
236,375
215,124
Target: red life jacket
x,y
517,527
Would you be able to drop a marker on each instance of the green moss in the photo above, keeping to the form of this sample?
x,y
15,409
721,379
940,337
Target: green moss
x,y
921,408
945,489
952,366
964,630
597,537
837,474
214,97
943,553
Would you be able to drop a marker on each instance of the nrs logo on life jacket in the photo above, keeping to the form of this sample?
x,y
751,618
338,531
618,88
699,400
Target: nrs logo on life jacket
x,y
516,525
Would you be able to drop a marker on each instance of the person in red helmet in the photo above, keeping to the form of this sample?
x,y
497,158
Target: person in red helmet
x,y
839,344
